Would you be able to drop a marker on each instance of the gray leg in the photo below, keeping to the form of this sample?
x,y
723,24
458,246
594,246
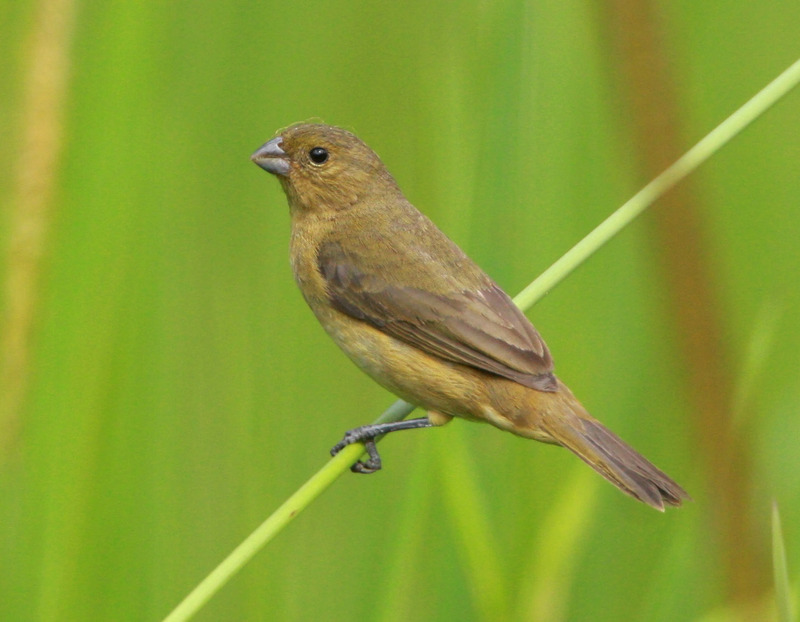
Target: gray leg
x,y
368,433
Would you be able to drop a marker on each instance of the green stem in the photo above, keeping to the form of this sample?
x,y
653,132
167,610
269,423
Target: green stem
x,y
551,277
657,188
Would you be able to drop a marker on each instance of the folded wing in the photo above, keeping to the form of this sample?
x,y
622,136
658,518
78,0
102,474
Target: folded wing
x,y
481,327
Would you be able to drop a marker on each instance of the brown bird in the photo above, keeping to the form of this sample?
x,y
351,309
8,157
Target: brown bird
x,y
420,317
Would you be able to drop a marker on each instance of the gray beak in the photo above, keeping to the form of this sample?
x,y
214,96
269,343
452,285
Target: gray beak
x,y
272,158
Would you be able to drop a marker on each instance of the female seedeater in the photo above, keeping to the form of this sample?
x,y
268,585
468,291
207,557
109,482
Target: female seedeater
x,y
420,317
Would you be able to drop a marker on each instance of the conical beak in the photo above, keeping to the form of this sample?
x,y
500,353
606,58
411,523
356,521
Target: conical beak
x,y
272,158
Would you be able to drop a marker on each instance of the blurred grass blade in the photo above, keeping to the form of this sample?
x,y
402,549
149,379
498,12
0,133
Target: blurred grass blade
x,y
554,557
469,514
780,569
397,600
760,347
622,217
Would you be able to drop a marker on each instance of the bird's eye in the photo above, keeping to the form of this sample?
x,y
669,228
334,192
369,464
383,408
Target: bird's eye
x,y
318,155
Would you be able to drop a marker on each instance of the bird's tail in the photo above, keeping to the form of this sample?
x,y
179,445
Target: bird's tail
x,y
614,459
623,466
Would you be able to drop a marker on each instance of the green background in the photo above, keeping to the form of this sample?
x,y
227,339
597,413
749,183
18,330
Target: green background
x,y
174,389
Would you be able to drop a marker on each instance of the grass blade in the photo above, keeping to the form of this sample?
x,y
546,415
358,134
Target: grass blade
x,y
783,598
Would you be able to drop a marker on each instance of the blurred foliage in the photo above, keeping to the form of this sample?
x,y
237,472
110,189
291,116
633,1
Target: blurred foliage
x,y
176,389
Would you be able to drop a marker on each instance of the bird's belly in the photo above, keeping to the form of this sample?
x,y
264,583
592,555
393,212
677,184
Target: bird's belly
x,y
406,371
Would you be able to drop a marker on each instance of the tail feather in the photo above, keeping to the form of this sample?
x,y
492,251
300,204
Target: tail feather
x,y
619,463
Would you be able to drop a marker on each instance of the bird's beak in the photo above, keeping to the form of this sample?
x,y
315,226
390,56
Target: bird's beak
x,y
272,158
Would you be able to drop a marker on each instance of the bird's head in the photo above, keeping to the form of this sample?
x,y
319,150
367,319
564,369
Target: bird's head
x,y
323,168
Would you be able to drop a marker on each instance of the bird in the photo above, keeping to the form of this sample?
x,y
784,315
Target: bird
x,y
415,313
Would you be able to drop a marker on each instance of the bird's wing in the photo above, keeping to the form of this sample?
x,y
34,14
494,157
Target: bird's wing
x,y
479,327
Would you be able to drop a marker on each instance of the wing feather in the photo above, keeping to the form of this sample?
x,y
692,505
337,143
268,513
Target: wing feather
x,y
481,327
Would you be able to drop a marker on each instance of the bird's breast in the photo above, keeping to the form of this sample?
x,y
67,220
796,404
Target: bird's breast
x,y
303,258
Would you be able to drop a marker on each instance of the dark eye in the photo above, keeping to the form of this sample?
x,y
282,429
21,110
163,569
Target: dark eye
x,y
318,155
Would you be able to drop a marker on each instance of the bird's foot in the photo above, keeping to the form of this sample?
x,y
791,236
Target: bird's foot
x,y
365,434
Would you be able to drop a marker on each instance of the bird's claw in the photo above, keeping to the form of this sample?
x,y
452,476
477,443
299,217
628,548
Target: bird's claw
x,y
371,464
